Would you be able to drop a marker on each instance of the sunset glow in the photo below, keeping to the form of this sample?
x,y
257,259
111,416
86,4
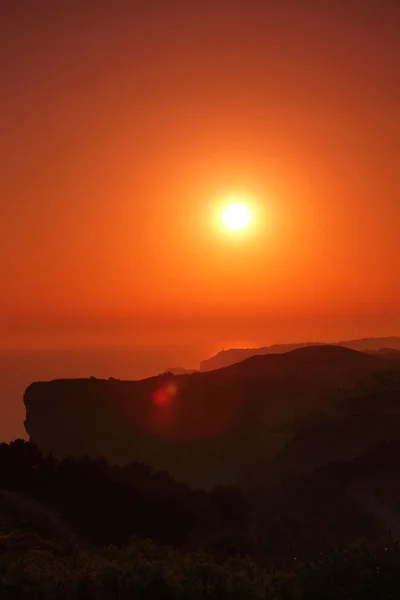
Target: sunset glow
x,y
168,187
236,216
200,307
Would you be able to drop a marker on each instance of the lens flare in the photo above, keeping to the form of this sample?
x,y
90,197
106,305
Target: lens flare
x,y
165,394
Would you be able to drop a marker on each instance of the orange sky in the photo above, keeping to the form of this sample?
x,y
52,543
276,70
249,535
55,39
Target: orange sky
x,y
125,122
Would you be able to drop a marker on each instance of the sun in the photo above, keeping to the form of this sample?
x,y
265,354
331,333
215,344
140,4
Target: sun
x,y
236,216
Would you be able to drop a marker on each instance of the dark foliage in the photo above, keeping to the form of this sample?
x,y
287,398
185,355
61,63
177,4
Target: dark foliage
x,y
101,504
108,504
145,571
273,544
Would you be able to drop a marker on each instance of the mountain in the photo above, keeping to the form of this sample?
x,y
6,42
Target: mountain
x,y
234,355
387,353
367,344
206,428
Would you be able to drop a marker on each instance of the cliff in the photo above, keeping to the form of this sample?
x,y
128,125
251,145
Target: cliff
x,y
204,428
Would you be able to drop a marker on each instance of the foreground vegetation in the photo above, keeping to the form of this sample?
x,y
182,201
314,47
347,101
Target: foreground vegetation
x,y
101,504
146,571
82,529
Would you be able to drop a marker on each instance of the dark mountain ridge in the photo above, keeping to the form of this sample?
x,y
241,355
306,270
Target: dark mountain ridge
x,y
204,428
234,355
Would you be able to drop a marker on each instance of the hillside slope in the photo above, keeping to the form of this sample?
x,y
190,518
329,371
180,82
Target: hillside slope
x,y
235,355
204,428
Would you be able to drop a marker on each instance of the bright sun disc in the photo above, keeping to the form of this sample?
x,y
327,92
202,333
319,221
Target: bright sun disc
x,y
236,216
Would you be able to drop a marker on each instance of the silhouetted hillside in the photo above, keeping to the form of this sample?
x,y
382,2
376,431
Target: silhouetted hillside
x,y
204,428
234,355
372,343
384,351
373,419
387,353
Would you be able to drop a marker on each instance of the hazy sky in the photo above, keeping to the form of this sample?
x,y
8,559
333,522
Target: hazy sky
x,y
123,124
